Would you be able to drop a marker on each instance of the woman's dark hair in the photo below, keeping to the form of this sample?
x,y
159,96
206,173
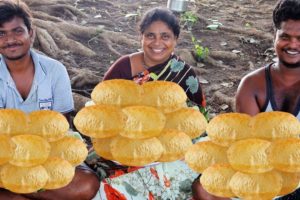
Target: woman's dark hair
x,y
14,8
160,14
285,10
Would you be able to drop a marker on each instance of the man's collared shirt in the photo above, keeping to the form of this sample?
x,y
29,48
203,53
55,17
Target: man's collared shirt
x,y
50,90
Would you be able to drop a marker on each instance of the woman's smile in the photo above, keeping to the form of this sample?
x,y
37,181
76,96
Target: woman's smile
x,y
158,42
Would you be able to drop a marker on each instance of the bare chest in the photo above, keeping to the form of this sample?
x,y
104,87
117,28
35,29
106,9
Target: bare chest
x,y
23,84
287,99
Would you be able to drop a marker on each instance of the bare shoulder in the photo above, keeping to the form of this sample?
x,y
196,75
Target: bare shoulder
x,y
136,55
251,93
253,84
254,80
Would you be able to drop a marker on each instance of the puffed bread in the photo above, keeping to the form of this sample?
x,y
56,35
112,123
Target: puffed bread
x,y
23,179
117,92
60,173
69,148
188,120
175,144
284,154
99,121
273,125
249,156
290,182
215,180
1,184
227,128
48,124
142,122
13,122
6,149
165,95
136,152
204,154
102,147
261,186
29,150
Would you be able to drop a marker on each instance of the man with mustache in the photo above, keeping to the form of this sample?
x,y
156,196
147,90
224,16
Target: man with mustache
x,y
30,81
276,87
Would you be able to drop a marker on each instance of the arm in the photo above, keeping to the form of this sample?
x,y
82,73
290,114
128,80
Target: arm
x,y
1,103
62,92
199,193
2,94
246,98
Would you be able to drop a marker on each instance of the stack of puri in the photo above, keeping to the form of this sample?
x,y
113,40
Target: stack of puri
x,y
249,157
29,159
136,125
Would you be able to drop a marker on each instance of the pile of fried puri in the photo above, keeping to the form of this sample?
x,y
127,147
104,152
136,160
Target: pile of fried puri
x,y
136,125
249,157
36,151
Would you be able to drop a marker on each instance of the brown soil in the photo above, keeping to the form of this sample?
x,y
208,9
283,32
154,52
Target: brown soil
x,y
89,35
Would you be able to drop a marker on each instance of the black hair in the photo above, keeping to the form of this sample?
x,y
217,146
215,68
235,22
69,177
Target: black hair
x,y
15,8
285,10
160,14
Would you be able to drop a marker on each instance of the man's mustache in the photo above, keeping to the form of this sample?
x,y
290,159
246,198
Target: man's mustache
x,y
12,45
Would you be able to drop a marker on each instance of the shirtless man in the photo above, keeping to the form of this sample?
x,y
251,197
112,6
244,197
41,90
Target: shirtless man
x,y
277,85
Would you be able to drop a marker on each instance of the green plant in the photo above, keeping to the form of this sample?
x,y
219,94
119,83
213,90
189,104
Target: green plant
x,y
205,113
189,19
200,52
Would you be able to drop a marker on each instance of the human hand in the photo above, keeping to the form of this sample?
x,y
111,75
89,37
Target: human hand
x,y
199,193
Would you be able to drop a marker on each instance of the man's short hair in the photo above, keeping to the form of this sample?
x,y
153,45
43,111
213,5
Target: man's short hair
x,y
15,8
285,10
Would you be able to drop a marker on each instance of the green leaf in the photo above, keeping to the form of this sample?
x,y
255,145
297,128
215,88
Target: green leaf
x,y
193,39
204,111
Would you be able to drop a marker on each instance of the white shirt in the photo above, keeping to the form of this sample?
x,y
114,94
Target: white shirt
x,y
50,90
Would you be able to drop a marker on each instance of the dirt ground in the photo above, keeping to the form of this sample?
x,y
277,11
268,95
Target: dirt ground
x,y
89,35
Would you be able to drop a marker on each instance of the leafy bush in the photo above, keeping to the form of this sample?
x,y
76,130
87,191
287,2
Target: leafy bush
x,y
189,19
200,52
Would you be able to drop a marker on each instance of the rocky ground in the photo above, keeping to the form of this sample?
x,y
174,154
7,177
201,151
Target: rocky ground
x,y
89,35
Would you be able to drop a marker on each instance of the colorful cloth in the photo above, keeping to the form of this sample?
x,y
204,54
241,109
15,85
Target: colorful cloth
x,y
170,180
